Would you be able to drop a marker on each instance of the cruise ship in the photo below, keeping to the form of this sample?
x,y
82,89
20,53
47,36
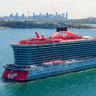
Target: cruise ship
x,y
42,57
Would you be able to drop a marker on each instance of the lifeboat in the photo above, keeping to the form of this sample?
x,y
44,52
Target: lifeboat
x,y
47,63
53,62
58,62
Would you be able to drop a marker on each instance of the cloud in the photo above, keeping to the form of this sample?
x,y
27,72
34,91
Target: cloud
x,y
75,8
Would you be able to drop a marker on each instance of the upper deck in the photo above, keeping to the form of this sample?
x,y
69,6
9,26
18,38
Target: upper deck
x,y
55,38
72,47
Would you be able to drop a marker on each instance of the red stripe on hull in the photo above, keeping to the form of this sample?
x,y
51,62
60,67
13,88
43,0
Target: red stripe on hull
x,y
15,74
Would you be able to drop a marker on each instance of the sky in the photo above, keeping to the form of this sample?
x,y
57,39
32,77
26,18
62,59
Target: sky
x,y
76,9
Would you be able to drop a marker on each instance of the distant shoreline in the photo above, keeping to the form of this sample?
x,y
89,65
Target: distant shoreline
x,y
45,25
43,28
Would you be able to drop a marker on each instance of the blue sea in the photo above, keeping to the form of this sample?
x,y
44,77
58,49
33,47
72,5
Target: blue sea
x,y
82,83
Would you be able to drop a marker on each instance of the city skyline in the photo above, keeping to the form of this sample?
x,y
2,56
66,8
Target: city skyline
x,y
34,17
77,8
33,13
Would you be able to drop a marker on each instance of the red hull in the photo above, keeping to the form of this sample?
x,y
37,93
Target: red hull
x,y
15,74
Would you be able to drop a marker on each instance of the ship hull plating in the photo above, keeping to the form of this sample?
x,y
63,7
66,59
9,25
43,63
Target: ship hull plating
x,y
63,70
49,71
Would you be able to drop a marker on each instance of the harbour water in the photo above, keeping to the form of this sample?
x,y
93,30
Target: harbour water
x,y
81,83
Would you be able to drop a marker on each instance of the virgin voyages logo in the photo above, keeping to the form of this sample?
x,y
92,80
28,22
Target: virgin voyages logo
x,y
11,76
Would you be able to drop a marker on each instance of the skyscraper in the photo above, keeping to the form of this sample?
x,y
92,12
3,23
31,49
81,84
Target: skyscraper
x,y
66,17
11,15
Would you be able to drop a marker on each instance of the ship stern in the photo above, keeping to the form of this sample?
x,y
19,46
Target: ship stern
x,y
17,75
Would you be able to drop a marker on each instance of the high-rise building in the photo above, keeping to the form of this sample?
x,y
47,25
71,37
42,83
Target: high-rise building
x,y
22,16
11,15
28,14
63,16
66,16
33,14
56,13
16,14
41,16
